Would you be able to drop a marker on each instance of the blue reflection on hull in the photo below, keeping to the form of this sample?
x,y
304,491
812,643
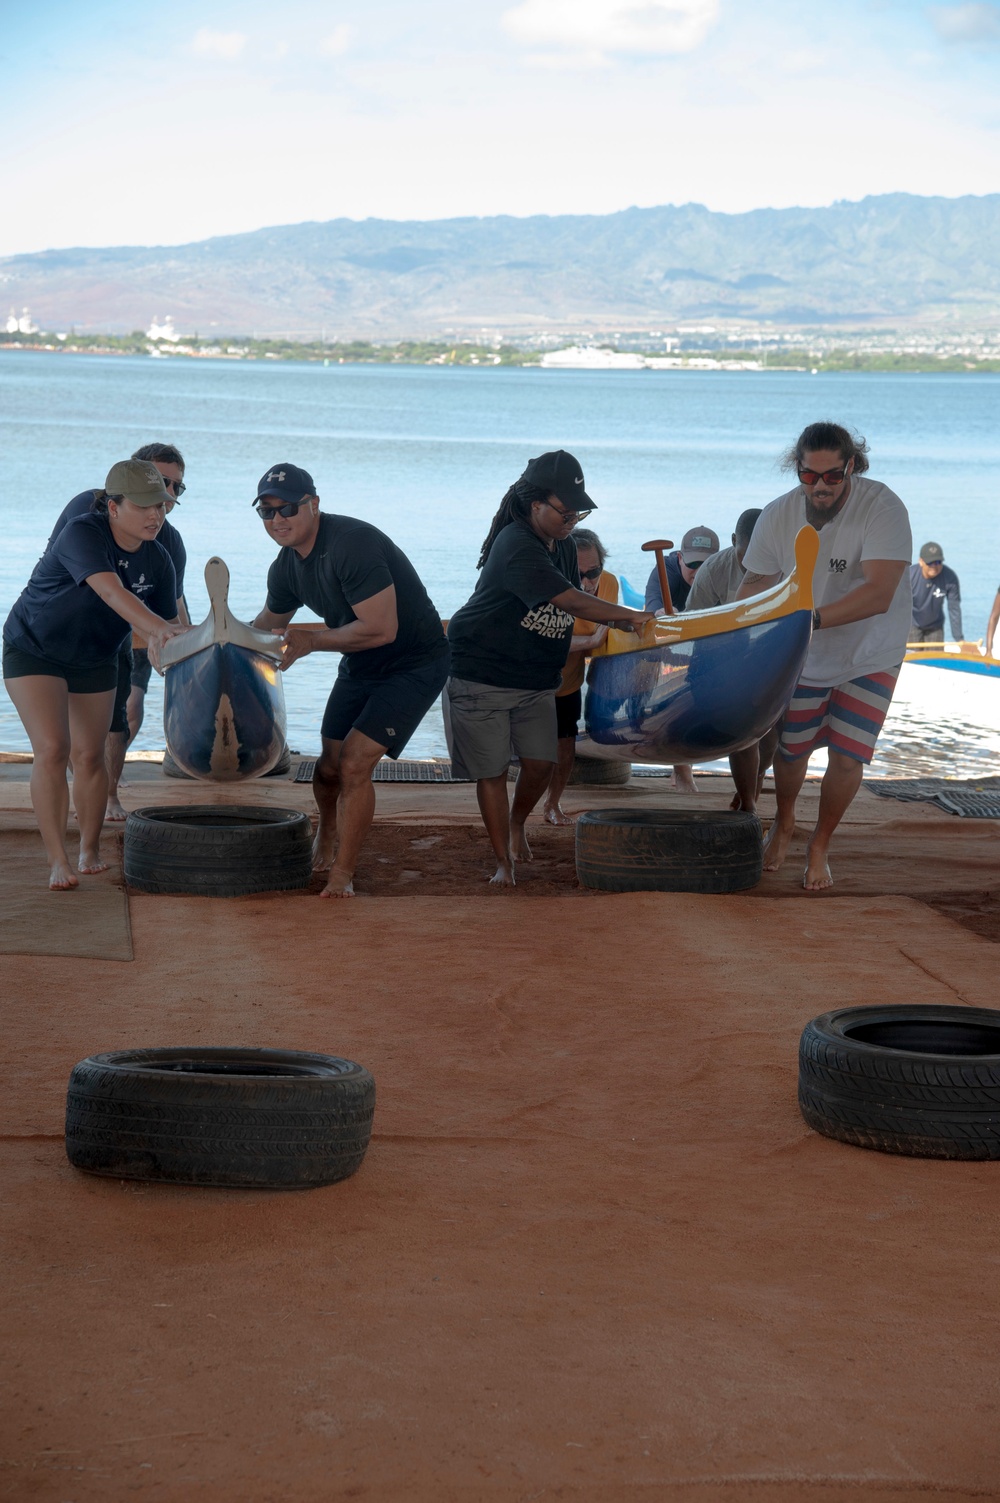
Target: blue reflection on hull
x,y
224,713
693,701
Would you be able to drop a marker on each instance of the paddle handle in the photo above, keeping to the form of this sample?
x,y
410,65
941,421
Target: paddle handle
x,y
661,570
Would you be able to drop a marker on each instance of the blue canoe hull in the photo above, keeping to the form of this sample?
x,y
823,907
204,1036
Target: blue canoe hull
x,y
224,713
692,701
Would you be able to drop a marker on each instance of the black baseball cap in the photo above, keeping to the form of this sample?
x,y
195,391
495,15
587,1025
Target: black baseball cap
x,y
932,553
287,482
561,474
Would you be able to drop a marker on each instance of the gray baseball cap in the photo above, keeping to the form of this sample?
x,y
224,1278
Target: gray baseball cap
x,y
139,481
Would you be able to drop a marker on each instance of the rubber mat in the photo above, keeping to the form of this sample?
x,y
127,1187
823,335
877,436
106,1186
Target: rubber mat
x,y
926,790
969,804
388,771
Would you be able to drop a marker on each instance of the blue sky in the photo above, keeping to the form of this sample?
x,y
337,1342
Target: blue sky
x,y
159,124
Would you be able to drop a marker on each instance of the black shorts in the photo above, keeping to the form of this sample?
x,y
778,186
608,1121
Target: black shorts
x,y
387,710
123,688
96,680
568,707
142,669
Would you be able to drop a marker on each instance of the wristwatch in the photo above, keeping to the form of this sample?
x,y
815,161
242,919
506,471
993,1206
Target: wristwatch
x,y
817,623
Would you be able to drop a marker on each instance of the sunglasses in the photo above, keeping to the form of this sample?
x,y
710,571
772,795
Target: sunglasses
x,y
178,486
567,516
829,477
592,573
287,509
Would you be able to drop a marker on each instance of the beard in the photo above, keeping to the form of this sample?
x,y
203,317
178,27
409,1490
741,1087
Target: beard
x,y
818,516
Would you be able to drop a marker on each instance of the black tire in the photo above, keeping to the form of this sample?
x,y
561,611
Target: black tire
x,y
245,1118
675,850
918,1080
593,772
217,850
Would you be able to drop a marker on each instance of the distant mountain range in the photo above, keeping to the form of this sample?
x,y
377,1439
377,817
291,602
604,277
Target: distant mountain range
x,y
894,259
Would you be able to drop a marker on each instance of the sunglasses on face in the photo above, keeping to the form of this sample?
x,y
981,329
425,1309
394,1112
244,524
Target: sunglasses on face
x,y
178,486
287,509
828,477
592,573
567,516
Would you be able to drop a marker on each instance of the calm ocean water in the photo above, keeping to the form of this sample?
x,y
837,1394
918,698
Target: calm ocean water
x,y
426,453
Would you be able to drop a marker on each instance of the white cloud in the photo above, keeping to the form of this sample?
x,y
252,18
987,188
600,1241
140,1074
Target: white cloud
x,y
973,22
594,29
224,44
337,43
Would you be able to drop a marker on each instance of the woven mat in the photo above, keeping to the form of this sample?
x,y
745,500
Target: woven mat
x,y
91,921
388,771
970,798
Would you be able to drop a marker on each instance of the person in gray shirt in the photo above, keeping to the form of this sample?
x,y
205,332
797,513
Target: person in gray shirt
x,y
721,574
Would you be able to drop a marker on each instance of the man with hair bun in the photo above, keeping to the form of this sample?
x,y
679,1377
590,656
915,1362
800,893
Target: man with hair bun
x,y
861,622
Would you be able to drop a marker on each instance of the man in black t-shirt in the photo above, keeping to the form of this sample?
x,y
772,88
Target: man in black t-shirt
x,y
395,656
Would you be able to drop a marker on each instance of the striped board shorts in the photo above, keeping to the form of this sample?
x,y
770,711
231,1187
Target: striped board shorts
x,y
846,718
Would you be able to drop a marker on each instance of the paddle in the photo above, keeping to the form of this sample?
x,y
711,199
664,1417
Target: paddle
x,y
661,569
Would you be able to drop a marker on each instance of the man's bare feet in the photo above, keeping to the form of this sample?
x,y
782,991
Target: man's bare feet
x,y
776,846
339,884
324,850
817,876
90,863
114,814
61,879
682,780
504,875
520,849
554,814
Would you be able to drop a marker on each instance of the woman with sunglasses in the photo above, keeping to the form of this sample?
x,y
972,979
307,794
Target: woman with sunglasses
x,y
102,575
509,644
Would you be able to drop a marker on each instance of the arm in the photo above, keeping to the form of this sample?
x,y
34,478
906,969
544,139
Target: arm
x,y
991,625
589,642
754,583
376,625
873,598
591,608
955,610
157,631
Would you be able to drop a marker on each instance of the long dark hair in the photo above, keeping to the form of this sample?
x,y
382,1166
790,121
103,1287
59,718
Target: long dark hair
x,y
515,507
827,436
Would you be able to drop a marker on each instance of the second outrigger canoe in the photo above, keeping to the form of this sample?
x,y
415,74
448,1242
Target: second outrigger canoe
x,y
960,657
702,684
224,706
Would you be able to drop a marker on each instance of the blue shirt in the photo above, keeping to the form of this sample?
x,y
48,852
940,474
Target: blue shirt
x,y
58,616
930,597
168,535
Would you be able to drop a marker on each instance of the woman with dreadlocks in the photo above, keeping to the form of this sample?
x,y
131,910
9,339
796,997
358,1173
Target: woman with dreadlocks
x,y
509,644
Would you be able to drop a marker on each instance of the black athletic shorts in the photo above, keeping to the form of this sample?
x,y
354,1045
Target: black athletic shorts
x,y
119,715
568,707
142,669
98,680
388,710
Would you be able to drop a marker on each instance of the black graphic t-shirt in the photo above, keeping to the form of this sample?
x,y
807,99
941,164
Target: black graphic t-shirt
x,y
58,616
351,561
168,537
509,633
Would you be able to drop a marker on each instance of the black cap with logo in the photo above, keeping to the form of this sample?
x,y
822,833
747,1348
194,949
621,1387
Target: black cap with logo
x,y
561,474
287,482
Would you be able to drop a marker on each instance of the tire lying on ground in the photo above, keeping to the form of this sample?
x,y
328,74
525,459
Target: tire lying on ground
x,y
217,850
668,850
245,1118
599,771
917,1080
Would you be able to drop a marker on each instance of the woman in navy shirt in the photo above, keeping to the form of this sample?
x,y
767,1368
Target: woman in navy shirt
x,y
104,574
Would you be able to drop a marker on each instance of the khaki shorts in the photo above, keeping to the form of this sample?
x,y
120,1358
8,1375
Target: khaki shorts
x,y
486,726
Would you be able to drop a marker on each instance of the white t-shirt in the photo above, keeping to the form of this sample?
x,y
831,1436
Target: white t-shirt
x,y
872,524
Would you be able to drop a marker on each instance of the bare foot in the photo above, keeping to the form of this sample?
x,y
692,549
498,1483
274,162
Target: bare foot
x,y
340,884
776,846
324,850
683,779
504,875
520,849
90,863
114,814
556,815
61,879
816,876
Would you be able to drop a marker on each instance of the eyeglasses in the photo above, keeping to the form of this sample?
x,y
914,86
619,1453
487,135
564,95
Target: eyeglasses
x,y
829,477
696,565
592,573
567,516
934,563
287,509
178,485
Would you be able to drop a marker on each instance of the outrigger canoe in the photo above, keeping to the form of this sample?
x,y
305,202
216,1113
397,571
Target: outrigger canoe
x,y
701,684
224,706
961,657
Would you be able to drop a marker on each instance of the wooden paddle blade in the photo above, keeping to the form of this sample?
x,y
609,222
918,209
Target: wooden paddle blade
x,y
652,547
